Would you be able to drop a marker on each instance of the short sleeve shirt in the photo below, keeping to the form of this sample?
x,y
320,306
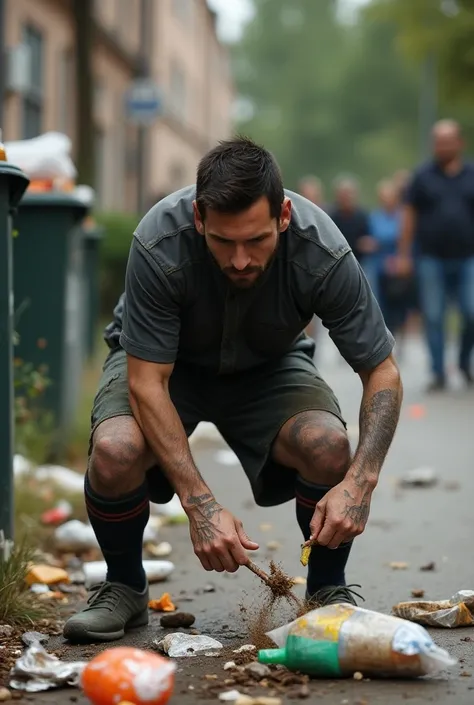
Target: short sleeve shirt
x,y
444,207
178,305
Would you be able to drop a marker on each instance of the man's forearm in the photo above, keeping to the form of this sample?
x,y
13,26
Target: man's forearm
x,y
378,419
405,242
159,421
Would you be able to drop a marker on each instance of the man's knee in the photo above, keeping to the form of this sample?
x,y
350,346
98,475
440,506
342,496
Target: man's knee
x,y
316,444
118,459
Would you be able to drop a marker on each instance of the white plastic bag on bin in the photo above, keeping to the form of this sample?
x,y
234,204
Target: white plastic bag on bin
x,y
43,157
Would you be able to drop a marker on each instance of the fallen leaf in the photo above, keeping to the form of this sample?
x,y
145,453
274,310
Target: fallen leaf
x,y
417,593
163,604
398,565
428,567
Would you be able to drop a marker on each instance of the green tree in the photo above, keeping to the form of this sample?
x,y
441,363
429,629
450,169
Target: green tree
x,y
328,97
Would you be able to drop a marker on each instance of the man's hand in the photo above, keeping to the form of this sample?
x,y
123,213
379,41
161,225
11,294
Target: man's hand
x,y
218,538
341,515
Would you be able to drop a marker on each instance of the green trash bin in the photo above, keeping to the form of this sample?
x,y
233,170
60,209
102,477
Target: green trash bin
x,y
12,186
49,301
92,235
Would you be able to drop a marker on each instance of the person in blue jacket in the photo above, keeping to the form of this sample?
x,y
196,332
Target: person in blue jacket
x,y
379,263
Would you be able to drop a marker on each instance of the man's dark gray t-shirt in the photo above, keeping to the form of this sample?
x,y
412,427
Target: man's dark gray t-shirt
x,y
179,306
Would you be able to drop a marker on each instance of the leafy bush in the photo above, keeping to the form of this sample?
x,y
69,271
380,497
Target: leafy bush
x,y
33,426
118,231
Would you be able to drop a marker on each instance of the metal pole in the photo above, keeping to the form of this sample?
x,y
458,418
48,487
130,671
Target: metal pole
x,y
143,131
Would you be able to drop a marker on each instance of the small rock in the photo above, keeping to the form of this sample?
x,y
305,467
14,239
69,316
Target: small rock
x,y
29,638
161,551
302,693
174,620
6,630
418,593
211,676
245,648
230,696
429,567
258,670
358,676
209,588
230,665
5,693
467,638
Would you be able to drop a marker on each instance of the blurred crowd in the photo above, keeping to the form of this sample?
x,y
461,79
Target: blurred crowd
x,y
416,246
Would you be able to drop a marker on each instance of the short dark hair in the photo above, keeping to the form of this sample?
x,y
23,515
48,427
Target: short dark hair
x,y
236,174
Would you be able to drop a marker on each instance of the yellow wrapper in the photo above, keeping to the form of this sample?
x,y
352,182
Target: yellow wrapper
x,y
305,553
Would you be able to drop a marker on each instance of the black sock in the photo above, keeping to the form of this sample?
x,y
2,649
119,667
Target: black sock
x,y
119,525
326,566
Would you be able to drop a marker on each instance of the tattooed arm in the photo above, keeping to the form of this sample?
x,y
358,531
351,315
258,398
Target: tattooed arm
x,y
344,511
378,420
218,538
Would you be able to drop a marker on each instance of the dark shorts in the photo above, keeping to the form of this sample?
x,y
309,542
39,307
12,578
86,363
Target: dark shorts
x,y
249,408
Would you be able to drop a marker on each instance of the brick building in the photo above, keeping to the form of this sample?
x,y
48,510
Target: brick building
x,y
186,60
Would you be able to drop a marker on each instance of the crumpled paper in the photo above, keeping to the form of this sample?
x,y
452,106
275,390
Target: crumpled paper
x,y
179,645
458,611
36,671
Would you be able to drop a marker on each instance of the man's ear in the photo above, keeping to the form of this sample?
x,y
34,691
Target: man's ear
x,y
198,224
285,215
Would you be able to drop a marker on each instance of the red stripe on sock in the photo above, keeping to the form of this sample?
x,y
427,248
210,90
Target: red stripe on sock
x,y
131,514
310,503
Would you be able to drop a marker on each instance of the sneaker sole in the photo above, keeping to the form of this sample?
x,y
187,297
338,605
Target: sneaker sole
x,y
78,633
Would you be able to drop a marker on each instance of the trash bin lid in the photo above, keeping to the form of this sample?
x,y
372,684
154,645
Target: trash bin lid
x,y
17,181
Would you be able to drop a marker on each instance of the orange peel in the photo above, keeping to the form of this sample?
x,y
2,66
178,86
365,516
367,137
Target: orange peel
x,y
163,604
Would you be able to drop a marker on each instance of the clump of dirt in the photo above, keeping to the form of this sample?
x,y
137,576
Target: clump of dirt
x,y
280,584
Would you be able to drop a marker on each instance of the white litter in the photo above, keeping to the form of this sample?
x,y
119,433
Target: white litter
x,y
75,536
230,696
419,477
226,457
178,645
156,571
170,510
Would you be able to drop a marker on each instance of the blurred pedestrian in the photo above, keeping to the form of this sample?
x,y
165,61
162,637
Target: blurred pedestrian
x,y
401,179
391,290
311,187
350,218
438,219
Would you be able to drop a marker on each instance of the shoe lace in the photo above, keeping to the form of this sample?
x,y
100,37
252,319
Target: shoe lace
x,y
344,591
104,595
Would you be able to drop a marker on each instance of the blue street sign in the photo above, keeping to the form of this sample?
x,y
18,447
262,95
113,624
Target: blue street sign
x,y
143,102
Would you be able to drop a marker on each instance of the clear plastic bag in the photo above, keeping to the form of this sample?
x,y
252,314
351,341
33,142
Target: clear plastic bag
x,y
458,611
339,640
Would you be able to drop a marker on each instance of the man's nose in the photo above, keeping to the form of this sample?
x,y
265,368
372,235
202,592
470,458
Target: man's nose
x,y
240,258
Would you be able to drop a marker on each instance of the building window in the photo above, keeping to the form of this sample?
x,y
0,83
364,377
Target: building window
x,y
66,96
177,96
33,97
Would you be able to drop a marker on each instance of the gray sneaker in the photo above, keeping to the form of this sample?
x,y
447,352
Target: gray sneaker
x,y
111,610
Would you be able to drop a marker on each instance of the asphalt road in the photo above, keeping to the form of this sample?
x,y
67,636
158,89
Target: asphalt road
x,y
416,526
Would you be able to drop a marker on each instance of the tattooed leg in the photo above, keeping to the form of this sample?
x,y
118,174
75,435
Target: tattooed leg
x,y
316,445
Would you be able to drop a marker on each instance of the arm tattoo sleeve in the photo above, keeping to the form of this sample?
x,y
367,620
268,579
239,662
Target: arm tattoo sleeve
x,y
378,421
